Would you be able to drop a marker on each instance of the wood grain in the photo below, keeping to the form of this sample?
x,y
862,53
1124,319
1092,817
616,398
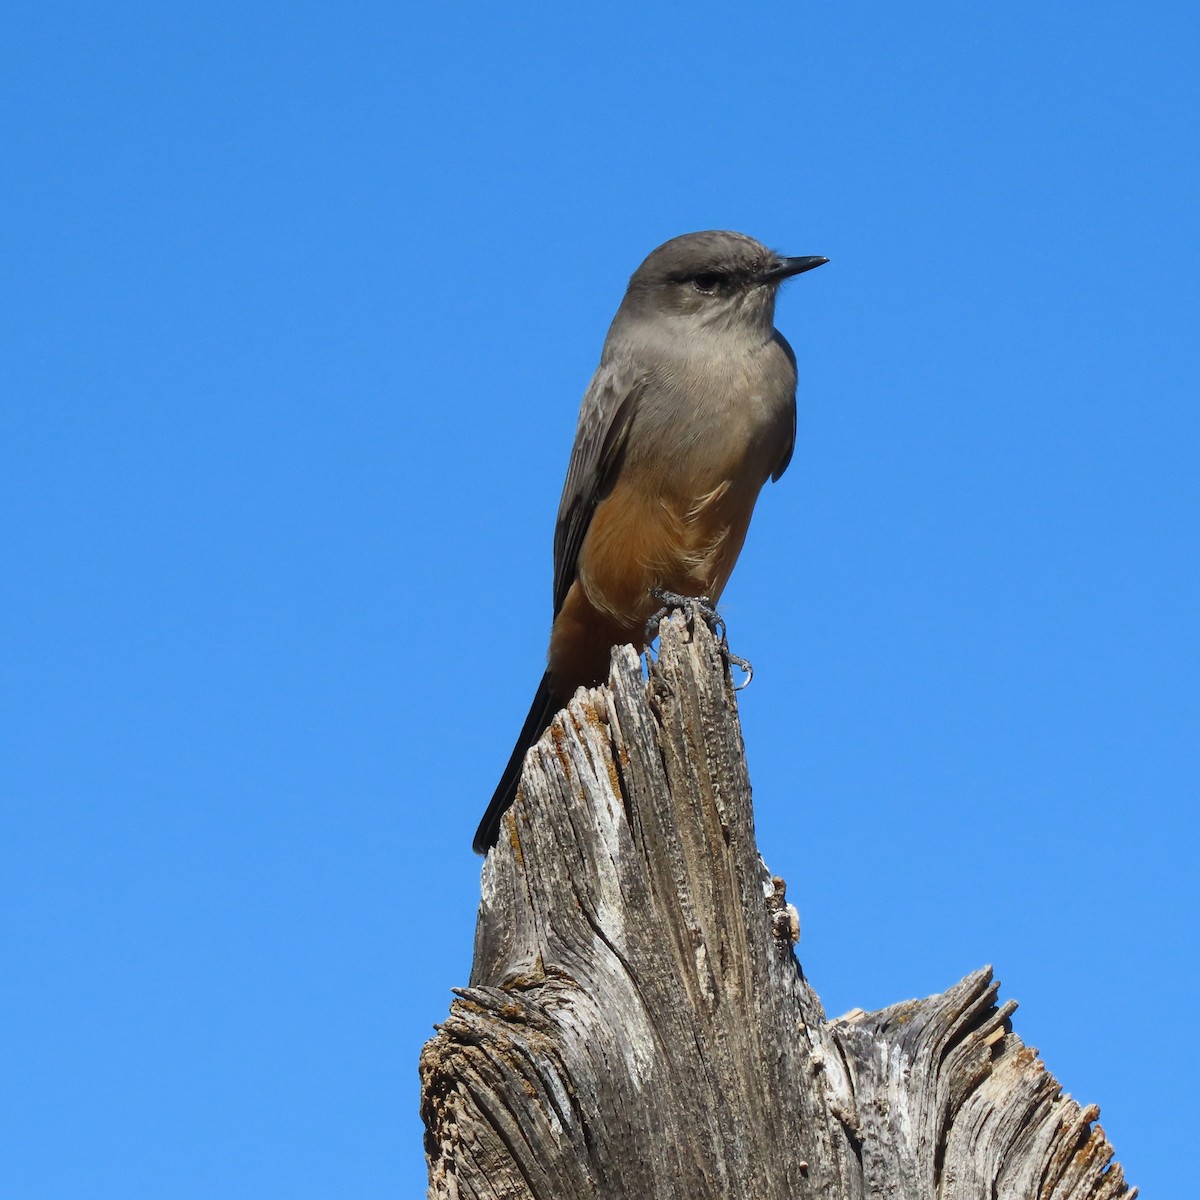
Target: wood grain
x,y
637,1024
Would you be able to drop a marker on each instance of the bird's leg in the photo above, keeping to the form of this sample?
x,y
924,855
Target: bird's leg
x,y
693,607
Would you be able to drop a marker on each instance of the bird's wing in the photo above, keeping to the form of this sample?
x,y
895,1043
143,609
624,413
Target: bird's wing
x,y
604,419
786,456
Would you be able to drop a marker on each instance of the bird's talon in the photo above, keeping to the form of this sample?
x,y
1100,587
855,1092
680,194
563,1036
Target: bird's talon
x,y
736,660
690,606
651,630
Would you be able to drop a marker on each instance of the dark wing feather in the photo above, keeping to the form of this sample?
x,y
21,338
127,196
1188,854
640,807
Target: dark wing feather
x,y
786,457
787,454
604,419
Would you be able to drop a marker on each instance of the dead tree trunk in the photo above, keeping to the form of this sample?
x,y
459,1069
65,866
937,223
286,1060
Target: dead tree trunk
x,y
638,1026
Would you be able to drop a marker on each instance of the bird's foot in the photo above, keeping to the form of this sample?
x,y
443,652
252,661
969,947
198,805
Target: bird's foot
x,y
702,607
691,607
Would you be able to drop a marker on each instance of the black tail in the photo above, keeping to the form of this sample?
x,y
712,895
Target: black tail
x,y
541,713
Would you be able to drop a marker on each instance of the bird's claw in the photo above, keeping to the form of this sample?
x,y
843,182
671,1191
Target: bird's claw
x,y
736,660
693,607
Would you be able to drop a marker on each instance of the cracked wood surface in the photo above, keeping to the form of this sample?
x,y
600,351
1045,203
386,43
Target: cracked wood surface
x,y
637,1024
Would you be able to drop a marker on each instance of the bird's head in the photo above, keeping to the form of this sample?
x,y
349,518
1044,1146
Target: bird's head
x,y
712,281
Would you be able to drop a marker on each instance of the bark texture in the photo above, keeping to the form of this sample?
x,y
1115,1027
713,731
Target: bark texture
x,y
638,1025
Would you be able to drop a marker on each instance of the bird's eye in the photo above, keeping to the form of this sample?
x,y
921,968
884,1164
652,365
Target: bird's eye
x,y
708,282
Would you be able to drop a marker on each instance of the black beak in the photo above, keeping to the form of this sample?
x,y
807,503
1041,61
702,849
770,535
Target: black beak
x,y
785,268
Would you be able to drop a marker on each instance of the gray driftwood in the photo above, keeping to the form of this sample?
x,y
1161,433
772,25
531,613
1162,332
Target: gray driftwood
x,y
638,1025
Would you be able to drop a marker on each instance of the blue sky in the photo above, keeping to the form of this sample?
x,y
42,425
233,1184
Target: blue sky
x,y
300,304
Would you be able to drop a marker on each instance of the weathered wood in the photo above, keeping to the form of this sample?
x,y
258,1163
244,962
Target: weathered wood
x,y
637,1024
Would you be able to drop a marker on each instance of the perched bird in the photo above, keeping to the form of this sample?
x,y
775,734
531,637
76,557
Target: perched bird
x,y
692,409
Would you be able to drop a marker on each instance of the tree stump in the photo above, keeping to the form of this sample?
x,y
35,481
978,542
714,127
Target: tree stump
x,y
638,1025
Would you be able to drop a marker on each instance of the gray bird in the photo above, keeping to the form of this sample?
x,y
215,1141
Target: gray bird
x,y
692,409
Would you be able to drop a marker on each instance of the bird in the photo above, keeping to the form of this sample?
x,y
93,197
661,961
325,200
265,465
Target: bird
x,y
691,410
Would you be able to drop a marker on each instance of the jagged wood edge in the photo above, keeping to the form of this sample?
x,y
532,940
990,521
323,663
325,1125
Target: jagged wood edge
x,y
502,1080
